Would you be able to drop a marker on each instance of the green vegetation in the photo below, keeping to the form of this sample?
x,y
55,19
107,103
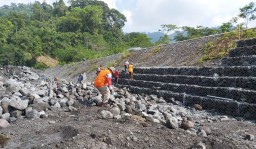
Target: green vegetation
x,y
155,50
221,47
89,29
85,30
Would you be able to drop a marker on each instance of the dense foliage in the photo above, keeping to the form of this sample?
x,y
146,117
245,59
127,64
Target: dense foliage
x,y
86,29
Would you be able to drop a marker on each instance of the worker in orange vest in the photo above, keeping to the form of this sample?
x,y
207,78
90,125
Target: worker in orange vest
x,y
130,70
103,83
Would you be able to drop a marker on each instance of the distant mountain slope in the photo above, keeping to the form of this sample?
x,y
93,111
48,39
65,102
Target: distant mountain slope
x,y
154,36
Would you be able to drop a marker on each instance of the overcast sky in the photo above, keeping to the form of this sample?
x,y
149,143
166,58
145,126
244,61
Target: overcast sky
x,y
149,15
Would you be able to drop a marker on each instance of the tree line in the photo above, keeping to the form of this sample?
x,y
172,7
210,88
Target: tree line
x,y
247,13
86,29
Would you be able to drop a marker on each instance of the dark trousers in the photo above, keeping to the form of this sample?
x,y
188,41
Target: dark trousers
x,y
125,68
116,80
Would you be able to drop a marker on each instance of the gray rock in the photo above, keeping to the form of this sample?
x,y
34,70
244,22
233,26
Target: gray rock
x,y
12,119
249,137
13,85
65,89
42,114
18,94
42,93
97,99
53,101
56,105
1,110
32,114
206,129
202,133
121,105
40,106
4,123
50,93
117,117
19,104
70,102
16,113
106,114
115,111
60,95
199,145
6,116
172,123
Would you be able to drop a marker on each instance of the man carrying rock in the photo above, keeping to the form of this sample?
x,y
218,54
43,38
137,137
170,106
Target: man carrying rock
x,y
103,83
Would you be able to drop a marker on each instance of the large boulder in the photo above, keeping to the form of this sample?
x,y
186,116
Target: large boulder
x,y
19,104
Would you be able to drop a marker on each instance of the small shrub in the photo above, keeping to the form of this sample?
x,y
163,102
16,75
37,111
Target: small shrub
x,y
39,65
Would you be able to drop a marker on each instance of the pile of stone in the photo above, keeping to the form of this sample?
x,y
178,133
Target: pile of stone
x,y
27,95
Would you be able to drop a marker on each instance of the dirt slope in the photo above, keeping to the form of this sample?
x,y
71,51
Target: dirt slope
x,y
185,53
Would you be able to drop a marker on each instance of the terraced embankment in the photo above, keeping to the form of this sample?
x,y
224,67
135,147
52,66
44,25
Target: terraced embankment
x,y
229,88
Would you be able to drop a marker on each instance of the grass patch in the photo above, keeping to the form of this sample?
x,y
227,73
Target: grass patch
x,y
221,47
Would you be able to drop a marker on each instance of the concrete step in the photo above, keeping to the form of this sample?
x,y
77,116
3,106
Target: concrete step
x,y
237,82
243,51
199,71
237,94
229,107
239,61
248,42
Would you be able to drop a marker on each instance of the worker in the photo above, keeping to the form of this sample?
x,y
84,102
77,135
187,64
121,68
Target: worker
x,y
116,76
103,83
130,70
126,66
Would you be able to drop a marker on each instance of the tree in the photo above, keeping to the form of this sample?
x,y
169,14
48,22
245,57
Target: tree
x,y
163,40
247,12
6,27
226,27
180,36
166,28
59,8
136,39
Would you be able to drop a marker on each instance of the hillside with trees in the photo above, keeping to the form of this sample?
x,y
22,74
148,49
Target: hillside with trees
x,y
86,29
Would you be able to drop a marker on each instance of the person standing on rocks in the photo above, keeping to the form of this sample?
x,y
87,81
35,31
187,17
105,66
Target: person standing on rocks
x,y
83,82
80,79
130,70
103,83
116,76
126,66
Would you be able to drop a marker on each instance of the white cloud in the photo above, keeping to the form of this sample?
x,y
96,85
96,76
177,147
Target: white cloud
x,y
149,15
111,3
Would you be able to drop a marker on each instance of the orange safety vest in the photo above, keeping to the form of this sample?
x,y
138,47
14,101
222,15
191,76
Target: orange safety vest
x,y
130,68
102,80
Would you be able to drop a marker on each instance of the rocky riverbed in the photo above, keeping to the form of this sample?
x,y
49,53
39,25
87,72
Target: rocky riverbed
x,y
40,112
